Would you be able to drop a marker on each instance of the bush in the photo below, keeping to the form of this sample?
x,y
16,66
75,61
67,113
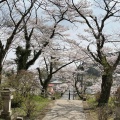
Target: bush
x,y
29,107
32,105
111,101
91,101
17,100
24,83
104,112
57,95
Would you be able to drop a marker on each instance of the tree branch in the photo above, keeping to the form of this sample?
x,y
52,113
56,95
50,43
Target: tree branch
x,y
46,65
2,1
62,67
97,60
116,62
40,77
31,62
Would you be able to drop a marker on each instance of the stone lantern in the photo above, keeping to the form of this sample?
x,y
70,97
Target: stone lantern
x,y
7,96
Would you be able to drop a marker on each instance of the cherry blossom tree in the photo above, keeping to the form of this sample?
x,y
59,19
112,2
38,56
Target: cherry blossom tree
x,y
98,35
54,59
13,15
38,32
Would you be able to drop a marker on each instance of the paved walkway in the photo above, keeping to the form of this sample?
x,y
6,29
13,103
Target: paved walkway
x,y
66,110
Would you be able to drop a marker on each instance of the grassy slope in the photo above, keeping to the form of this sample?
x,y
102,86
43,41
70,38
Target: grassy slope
x,y
42,105
92,111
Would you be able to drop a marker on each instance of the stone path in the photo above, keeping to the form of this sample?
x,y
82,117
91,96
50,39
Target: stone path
x,y
66,110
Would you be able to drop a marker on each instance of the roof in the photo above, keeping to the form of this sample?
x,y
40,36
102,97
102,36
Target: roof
x,y
56,82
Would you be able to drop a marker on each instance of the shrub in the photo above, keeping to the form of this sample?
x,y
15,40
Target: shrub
x,y
104,112
24,83
91,101
29,106
111,101
57,95
17,100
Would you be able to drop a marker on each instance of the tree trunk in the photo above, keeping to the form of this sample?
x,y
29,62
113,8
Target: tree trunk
x,y
45,84
105,89
80,95
0,76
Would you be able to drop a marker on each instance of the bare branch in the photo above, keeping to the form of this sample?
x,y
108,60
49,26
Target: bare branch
x,y
40,77
46,65
2,1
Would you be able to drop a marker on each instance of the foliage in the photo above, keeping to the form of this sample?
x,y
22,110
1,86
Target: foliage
x,y
111,101
100,113
93,71
57,95
24,85
17,101
31,107
91,101
104,112
22,57
88,83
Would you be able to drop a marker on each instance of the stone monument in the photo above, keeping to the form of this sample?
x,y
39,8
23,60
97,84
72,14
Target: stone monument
x,y
7,96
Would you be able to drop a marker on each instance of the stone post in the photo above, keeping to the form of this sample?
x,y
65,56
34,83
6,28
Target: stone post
x,y
6,95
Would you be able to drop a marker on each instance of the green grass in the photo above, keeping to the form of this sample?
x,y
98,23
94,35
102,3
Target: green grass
x,y
57,95
111,101
39,102
91,101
